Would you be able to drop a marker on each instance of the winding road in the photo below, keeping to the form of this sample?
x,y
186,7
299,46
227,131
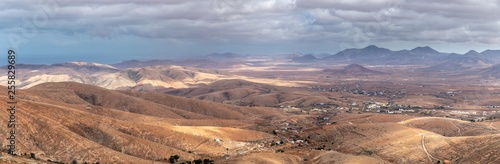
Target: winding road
x,y
429,156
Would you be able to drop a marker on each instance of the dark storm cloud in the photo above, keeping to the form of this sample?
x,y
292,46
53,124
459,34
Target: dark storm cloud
x,y
268,20
446,21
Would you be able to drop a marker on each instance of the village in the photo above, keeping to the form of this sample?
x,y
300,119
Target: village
x,y
443,110
325,111
291,133
294,133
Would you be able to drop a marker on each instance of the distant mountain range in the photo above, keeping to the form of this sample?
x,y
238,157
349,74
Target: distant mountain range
x,y
205,70
213,60
374,55
425,56
370,55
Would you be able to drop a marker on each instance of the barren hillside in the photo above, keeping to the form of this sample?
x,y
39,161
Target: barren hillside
x,y
71,121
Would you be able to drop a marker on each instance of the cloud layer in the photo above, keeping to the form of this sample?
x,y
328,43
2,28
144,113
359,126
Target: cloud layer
x,y
347,23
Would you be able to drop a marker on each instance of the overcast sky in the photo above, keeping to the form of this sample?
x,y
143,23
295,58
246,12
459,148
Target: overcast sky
x,y
109,31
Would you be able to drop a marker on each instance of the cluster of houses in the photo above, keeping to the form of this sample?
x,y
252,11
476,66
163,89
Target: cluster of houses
x,y
288,129
318,108
366,106
390,108
399,111
447,94
492,106
324,119
474,116
299,142
291,109
325,111
477,119
353,91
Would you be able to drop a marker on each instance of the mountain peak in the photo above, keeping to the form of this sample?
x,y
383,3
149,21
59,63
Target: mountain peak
x,y
354,66
371,47
472,52
305,58
425,50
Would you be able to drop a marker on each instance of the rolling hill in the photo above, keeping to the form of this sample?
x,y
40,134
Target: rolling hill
x,y
68,121
353,70
246,93
409,142
493,71
71,121
112,78
147,78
